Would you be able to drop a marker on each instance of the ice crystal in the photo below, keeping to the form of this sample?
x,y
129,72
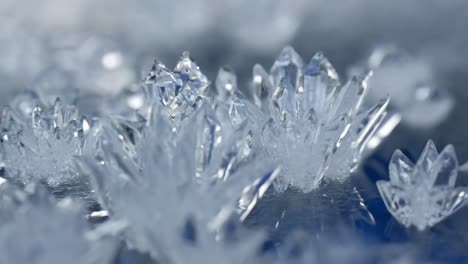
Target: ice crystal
x,y
179,90
40,142
42,230
316,127
424,193
180,193
410,83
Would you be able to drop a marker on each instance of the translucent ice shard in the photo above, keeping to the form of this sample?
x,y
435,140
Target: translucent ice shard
x,y
40,142
316,127
424,193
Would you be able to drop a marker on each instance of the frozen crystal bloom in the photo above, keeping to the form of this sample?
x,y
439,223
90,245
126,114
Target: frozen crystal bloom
x,y
410,83
44,231
40,143
179,192
423,194
180,90
317,129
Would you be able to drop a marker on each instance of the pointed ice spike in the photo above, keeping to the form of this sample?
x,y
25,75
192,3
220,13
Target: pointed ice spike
x,y
209,133
335,143
253,193
427,158
351,96
320,84
284,100
288,64
194,83
59,115
189,71
262,86
400,168
226,82
371,122
151,77
444,170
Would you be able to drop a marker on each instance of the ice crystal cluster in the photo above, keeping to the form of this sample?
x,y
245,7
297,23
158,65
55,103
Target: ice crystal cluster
x,y
424,193
316,127
39,142
173,167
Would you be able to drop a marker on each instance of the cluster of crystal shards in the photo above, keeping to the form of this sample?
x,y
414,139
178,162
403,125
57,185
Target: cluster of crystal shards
x,y
180,173
316,127
40,142
37,229
178,191
179,90
424,193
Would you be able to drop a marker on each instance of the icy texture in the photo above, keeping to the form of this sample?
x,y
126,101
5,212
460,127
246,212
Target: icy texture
x,y
316,127
410,83
40,142
424,193
37,229
179,190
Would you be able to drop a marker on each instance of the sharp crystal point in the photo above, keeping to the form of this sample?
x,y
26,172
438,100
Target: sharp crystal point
x,y
401,168
290,64
428,157
424,194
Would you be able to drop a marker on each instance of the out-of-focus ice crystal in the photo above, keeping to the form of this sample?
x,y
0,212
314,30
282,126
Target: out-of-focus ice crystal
x,y
410,83
41,230
179,191
316,127
40,142
424,193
